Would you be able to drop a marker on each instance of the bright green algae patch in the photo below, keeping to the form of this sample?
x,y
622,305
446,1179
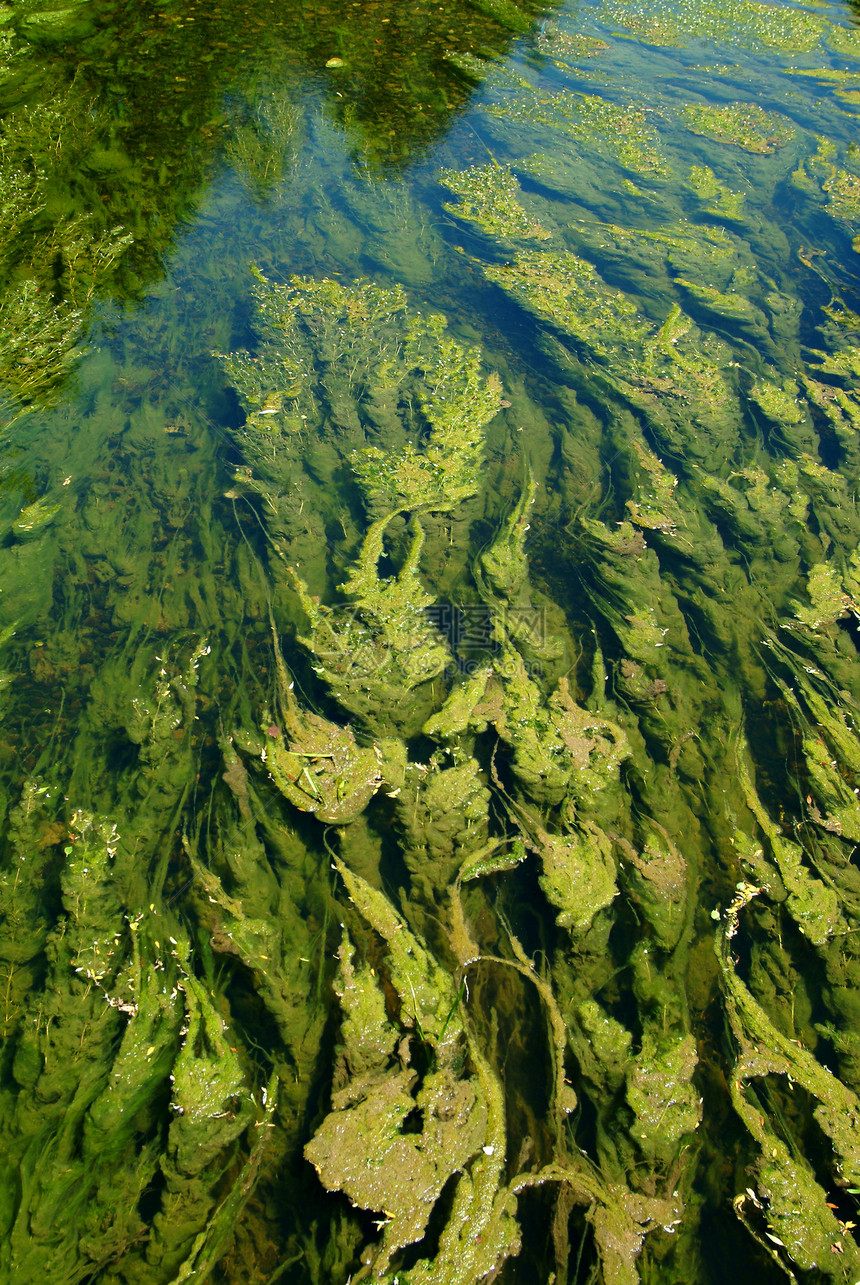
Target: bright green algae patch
x,y
488,198
742,124
743,22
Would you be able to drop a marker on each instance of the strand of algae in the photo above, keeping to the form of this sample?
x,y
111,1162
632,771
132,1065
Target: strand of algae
x,y
369,1110
127,1081
568,294
797,1215
359,1150
367,1114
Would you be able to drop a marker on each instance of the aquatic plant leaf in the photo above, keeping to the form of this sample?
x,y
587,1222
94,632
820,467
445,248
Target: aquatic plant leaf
x,y
659,879
360,1148
426,990
374,652
458,400
460,710
620,130
744,22
318,766
578,873
443,817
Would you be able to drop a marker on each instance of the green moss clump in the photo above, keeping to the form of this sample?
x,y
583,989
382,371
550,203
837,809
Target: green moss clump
x,y
32,520
798,1216
568,291
565,48
458,401
377,650
619,130
578,874
828,601
658,877
811,902
843,196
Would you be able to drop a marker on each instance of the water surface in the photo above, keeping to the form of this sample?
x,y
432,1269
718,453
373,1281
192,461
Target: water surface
x,y
430,586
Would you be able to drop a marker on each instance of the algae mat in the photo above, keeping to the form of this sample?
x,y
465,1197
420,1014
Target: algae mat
x,y
429,599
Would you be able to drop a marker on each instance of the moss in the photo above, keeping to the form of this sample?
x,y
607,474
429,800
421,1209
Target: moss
x,y
654,507
778,402
443,818
606,1055
318,766
729,304
368,1036
494,862
362,1149
557,746
458,402
32,520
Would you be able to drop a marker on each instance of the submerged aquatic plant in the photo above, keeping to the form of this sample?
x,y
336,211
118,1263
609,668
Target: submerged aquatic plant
x,y
554,856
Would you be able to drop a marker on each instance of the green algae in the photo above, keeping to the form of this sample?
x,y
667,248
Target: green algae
x,y
360,1147
568,290
795,1210
744,125
717,199
843,196
618,130
488,198
739,22
662,1096
566,48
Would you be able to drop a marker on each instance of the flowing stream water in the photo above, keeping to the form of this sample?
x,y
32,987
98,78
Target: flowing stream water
x,y
429,599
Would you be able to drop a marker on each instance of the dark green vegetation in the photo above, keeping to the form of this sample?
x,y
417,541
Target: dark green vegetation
x,y
429,587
